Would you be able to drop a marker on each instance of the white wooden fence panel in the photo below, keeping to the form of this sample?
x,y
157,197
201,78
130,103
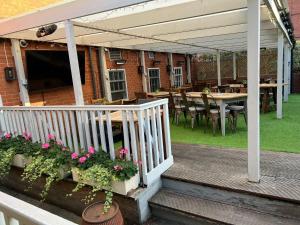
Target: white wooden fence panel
x,y
125,132
102,132
145,136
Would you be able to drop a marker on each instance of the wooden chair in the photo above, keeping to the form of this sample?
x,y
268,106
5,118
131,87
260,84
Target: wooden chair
x,y
214,114
129,101
140,95
99,101
116,102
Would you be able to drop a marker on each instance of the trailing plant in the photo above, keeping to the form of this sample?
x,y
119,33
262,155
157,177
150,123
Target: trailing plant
x,y
98,170
53,158
5,161
99,178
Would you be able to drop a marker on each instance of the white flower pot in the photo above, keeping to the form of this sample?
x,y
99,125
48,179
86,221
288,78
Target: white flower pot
x,y
119,187
63,171
20,160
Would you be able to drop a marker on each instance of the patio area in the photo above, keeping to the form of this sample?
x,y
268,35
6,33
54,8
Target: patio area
x,y
276,135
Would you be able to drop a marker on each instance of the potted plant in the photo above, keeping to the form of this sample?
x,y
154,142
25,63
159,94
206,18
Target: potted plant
x,y
51,161
16,151
125,172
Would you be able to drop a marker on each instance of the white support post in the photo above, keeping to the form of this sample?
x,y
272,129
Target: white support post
x,y
170,59
73,57
279,74
234,65
188,68
290,69
144,73
16,51
286,71
253,75
219,68
104,74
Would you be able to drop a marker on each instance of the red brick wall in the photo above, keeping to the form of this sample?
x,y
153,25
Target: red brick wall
x,y
294,6
65,95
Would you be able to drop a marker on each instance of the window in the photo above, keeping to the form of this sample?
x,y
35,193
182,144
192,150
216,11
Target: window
x,y
178,80
117,84
115,54
151,55
154,79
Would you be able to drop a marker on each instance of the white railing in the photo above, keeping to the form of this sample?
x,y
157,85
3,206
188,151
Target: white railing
x,y
145,130
17,212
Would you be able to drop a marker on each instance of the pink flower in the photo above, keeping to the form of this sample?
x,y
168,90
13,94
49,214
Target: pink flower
x,y
59,143
82,159
51,137
45,146
138,162
74,155
91,150
64,149
27,136
118,168
7,136
88,155
123,151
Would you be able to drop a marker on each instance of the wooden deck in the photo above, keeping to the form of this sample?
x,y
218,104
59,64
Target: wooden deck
x,y
227,169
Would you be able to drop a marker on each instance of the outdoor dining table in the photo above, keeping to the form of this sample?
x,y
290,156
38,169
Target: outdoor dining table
x,y
158,94
221,99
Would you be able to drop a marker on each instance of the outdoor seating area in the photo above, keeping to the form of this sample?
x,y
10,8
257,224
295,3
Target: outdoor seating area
x,y
150,112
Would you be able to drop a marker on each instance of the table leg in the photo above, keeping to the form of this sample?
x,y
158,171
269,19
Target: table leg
x,y
222,112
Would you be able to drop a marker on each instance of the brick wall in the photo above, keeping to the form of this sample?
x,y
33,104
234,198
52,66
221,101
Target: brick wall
x,y
65,95
294,6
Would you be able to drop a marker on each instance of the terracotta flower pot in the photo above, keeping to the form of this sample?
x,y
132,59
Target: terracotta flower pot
x,y
93,215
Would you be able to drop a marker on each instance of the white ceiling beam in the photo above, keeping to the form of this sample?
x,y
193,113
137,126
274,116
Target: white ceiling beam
x,y
61,12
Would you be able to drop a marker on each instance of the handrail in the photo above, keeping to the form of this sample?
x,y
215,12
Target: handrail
x,y
89,107
25,213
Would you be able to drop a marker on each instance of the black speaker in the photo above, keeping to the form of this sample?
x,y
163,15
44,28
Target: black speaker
x,y
140,70
10,73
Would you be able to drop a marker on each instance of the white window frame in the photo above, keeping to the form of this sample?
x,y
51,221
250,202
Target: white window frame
x,y
125,78
109,50
153,68
151,55
174,75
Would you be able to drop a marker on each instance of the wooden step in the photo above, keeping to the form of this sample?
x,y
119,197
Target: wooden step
x,y
247,200
167,202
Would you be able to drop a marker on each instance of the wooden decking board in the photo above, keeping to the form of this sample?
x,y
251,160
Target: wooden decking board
x,y
215,211
228,169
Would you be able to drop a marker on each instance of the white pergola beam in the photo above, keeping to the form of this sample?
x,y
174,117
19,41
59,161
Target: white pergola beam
x,y
16,51
253,76
62,12
73,57
279,74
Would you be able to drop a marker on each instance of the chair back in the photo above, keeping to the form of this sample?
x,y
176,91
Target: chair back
x,y
171,100
243,90
206,103
116,102
142,101
184,100
129,101
140,95
98,101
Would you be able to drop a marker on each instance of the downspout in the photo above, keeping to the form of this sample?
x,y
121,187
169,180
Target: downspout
x,y
92,74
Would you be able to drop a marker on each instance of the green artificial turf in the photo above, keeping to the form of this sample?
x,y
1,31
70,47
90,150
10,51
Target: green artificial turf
x,y
276,135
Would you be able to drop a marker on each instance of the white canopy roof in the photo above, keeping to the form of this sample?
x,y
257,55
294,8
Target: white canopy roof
x,y
179,26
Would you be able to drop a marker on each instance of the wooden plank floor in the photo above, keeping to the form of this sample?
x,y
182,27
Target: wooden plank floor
x,y
227,168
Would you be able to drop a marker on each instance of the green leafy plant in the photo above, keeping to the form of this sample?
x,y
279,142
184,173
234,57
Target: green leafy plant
x,y
5,161
206,90
52,161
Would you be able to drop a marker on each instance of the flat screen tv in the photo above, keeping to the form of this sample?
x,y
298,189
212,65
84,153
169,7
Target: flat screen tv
x,y
51,69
